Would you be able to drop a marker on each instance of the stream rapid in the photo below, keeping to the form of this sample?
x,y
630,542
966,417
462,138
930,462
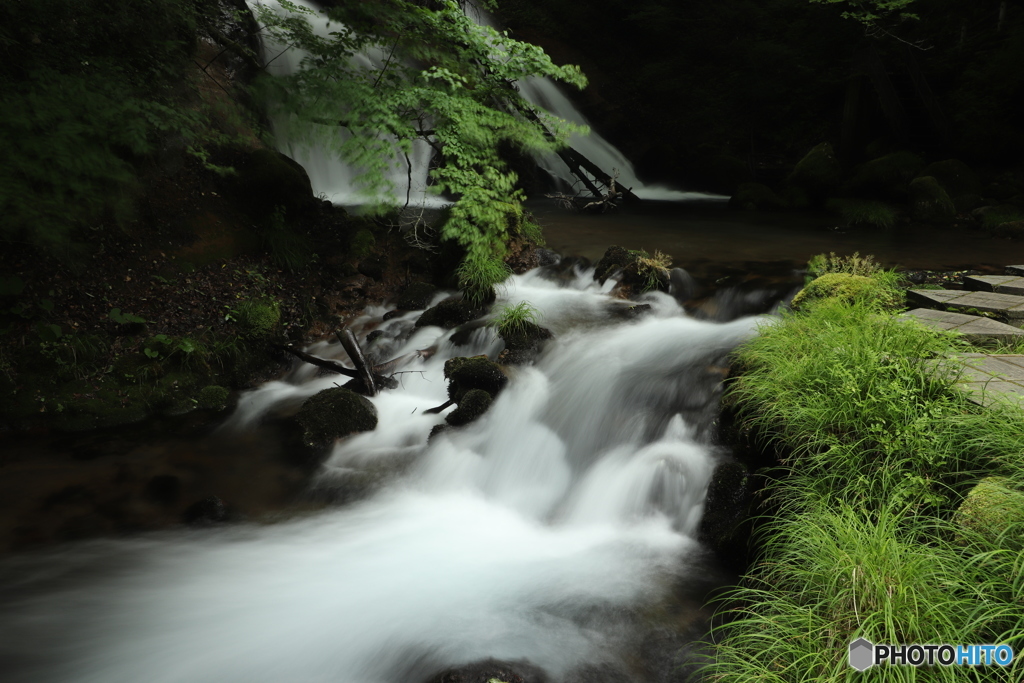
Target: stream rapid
x,y
532,533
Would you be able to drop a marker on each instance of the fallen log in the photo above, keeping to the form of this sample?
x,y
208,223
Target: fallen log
x,y
351,346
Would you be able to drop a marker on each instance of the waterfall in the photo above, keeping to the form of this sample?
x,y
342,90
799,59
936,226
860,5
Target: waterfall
x,y
336,179
542,531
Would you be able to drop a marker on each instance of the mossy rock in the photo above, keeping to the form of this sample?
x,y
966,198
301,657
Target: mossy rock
x,y
755,197
992,508
725,526
615,258
1013,230
530,337
929,202
886,177
818,173
465,374
844,287
259,318
213,397
332,414
416,296
474,403
268,179
639,271
449,313
955,176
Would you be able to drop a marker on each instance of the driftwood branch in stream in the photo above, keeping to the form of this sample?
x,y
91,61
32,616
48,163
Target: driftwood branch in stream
x,y
438,409
351,346
326,364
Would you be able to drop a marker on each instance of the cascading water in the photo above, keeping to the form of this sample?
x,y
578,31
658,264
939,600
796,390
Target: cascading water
x,y
529,533
337,180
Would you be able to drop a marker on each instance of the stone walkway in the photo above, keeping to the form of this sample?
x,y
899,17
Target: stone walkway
x,y
1001,284
975,328
987,378
1008,306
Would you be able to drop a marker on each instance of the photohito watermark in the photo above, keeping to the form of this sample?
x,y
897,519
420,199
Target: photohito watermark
x,y
865,654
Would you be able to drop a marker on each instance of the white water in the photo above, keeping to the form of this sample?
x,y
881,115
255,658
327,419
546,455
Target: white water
x,y
526,534
336,179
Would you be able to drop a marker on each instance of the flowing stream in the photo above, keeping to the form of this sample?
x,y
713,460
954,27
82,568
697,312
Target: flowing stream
x,y
533,533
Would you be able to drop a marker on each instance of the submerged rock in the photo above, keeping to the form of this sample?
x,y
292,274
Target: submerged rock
x,y
465,374
334,413
491,670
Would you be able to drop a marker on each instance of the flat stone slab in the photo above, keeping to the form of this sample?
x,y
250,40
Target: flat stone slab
x,y
1015,270
1008,306
987,378
974,327
1003,284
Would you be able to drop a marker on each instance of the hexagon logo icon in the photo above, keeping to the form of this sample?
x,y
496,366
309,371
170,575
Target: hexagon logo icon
x,y
862,654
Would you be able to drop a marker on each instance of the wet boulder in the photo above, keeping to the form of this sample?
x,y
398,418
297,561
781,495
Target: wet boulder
x,y
636,270
332,414
450,313
725,526
614,259
206,512
268,179
928,201
523,344
1013,230
474,403
465,374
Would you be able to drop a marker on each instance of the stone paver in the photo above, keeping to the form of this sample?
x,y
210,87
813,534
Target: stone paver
x,y
987,378
1015,270
973,327
1003,284
1006,305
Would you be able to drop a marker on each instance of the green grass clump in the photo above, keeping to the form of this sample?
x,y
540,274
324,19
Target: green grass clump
x,y
864,212
1002,214
515,320
479,276
651,268
854,265
878,530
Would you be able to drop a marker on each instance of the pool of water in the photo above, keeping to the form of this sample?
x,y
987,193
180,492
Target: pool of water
x,y
705,235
